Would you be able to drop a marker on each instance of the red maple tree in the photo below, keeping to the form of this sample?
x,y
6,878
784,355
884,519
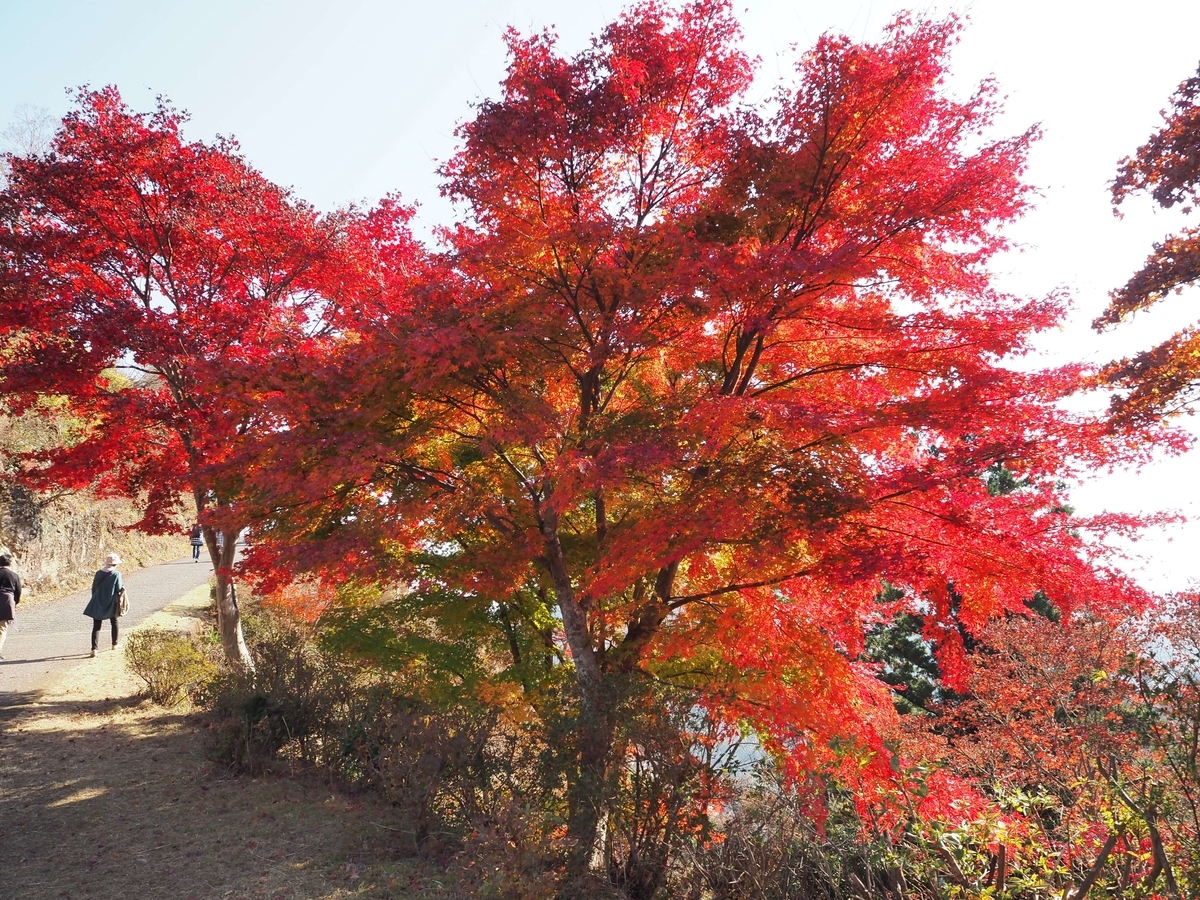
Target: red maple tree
x,y
1164,380
143,278
692,379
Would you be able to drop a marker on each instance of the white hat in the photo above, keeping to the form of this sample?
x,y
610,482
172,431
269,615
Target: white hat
x,y
113,559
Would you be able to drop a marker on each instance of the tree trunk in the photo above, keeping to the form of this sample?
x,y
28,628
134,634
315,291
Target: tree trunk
x,y
229,616
587,794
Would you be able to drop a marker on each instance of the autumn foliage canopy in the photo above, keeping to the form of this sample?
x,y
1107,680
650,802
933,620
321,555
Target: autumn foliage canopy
x,y
145,280
1163,380
690,382
695,391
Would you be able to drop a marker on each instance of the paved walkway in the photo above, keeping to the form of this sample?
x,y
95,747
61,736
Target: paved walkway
x,y
52,637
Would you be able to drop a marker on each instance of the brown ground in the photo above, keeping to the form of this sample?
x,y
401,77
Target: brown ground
x,y
104,795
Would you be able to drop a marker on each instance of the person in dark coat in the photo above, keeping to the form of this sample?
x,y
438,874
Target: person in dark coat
x,y
10,596
106,585
196,536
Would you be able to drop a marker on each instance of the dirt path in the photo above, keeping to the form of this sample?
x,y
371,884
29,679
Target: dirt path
x,y
103,795
53,637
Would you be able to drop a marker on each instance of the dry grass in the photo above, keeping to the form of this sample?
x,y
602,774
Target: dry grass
x,y
103,795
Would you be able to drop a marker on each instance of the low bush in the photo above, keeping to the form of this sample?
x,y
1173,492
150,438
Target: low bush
x,y
457,769
290,710
480,776
772,844
170,663
449,768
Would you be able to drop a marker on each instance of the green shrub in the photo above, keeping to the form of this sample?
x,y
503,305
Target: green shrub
x,y
168,662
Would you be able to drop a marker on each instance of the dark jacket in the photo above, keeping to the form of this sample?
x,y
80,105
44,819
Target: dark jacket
x,y
11,582
105,587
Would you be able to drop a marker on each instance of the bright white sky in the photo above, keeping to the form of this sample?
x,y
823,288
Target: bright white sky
x,y
347,101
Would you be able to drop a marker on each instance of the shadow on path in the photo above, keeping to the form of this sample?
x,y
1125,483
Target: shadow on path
x,y
114,799
18,662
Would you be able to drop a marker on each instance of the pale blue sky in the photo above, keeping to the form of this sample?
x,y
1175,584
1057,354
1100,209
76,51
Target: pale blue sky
x,y
347,101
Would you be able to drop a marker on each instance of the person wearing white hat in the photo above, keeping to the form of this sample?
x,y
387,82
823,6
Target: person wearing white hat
x,y
106,586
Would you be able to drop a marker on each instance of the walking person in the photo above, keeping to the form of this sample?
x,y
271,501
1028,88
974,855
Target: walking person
x,y
196,535
106,586
10,596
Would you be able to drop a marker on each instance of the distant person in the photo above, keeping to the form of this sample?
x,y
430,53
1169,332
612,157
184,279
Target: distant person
x,y
196,535
106,585
10,596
